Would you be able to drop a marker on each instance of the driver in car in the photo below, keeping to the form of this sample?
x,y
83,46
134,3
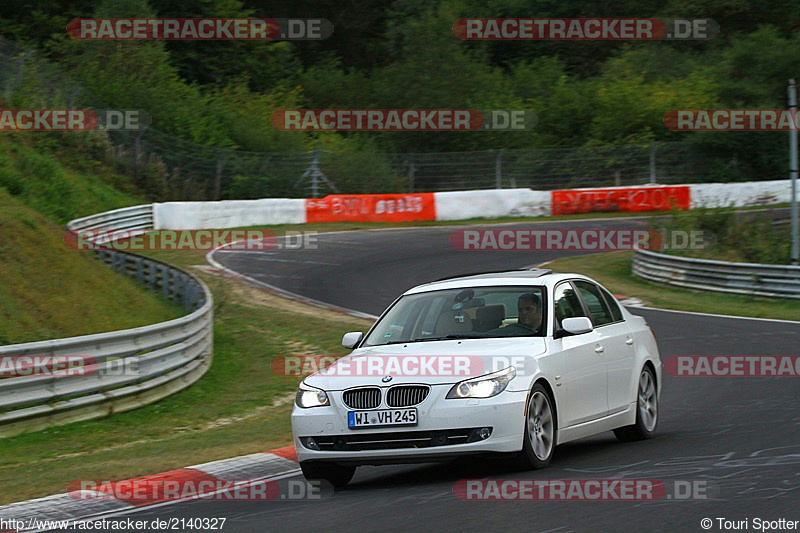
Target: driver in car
x,y
530,318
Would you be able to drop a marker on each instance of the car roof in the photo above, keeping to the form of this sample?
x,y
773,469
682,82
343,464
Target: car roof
x,y
532,276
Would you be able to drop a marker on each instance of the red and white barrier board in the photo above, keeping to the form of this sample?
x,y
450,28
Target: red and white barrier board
x,y
620,199
463,205
492,203
748,193
228,213
371,208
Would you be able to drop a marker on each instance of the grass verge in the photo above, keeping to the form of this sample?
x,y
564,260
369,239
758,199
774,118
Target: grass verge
x,y
47,291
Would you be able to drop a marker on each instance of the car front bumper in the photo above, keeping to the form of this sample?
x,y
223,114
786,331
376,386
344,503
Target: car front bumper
x,y
504,414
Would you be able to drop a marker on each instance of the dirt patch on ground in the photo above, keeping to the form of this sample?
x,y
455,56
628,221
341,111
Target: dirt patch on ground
x,y
284,400
300,347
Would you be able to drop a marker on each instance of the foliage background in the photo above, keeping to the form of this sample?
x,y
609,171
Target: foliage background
x,y
403,54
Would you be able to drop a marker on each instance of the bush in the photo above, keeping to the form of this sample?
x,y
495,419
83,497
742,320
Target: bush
x,y
730,236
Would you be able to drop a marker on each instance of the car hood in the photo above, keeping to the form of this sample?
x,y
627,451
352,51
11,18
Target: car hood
x,y
432,362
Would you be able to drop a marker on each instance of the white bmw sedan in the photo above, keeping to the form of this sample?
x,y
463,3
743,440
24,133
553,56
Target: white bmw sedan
x,y
513,362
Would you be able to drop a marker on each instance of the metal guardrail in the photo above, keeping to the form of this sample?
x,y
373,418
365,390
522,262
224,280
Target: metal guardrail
x,y
753,279
129,368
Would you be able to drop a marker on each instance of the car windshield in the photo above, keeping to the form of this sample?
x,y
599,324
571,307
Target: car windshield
x,y
464,313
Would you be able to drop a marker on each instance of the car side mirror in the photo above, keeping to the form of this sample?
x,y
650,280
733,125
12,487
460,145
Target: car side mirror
x,y
351,339
577,325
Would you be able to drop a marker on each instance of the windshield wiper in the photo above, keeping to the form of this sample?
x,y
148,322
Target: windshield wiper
x,y
443,338
453,336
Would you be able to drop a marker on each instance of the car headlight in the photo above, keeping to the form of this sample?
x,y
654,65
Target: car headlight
x,y
308,396
483,386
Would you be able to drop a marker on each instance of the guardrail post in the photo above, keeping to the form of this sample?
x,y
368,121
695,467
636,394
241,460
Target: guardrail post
x,y
178,286
139,270
164,282
119,260
188,294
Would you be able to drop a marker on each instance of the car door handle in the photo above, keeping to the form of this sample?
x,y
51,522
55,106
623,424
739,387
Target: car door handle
x,y
599,349
629,341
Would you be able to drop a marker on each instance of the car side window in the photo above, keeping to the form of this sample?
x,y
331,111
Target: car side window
x,y
429,316
598,308
400,327
613,305
567,303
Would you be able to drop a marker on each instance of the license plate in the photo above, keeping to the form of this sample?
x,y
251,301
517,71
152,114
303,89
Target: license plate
x,y
382,417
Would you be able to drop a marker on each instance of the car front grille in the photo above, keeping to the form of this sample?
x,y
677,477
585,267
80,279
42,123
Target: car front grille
x,y
395,440
406,395
362,398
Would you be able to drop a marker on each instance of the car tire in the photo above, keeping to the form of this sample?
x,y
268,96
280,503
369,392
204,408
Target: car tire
x,y
335,474
646,410
539,438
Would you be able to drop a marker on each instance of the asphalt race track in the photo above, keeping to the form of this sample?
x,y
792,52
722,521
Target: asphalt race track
x,y
741,436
